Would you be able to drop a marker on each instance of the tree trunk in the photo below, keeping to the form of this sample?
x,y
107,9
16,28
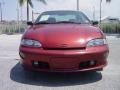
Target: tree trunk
x,y
27,11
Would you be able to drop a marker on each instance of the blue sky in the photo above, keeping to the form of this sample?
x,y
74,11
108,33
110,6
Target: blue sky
x,y
86,6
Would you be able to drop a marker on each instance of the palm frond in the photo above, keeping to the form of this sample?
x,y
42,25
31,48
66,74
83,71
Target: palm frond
x,y
108,0
43,1
30,3
21,2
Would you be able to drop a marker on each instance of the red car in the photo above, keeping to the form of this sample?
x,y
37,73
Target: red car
x,y
63,41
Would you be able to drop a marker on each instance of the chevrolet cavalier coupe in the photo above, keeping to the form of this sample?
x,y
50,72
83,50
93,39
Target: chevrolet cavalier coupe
x,y
63,41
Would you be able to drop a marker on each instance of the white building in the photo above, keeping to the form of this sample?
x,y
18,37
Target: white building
x,y
109,19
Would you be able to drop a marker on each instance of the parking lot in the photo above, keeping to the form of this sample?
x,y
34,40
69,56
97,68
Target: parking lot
x,y
13,77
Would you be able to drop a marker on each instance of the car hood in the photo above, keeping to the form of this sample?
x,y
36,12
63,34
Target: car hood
x,y
63,35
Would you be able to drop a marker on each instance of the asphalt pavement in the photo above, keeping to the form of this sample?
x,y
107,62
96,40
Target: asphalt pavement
x,y
13,77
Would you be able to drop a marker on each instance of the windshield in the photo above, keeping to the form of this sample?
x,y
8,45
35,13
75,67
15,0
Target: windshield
x,y
54,17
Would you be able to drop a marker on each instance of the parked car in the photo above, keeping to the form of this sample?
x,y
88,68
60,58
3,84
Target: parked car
x,y
63,41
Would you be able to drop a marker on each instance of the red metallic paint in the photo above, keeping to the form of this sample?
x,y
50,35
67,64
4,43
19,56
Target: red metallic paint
x,y
53,35
64,60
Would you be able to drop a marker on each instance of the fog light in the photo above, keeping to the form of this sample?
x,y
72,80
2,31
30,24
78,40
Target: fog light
x,y
40,64
92,63
106,55
22,55
35,63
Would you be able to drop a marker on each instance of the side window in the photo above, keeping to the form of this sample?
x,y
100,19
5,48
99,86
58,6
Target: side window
x,y
44,18
85,19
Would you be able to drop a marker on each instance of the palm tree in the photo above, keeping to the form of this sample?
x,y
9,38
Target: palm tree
x,y
29,3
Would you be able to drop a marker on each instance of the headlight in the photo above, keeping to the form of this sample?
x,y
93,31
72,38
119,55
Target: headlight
x,y
96,42
30,43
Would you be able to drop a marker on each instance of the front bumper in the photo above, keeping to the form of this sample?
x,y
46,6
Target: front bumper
x,y
64,60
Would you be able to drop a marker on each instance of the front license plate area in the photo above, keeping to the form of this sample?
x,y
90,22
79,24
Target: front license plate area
x,y
64,63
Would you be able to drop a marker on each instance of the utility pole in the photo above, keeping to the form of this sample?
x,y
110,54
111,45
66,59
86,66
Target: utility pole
x,y
94,13
27,11
32,16
18,23
21,16
1,12
77,5
100,10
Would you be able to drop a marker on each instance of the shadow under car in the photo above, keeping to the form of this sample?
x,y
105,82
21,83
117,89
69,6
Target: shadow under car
x,y
18,74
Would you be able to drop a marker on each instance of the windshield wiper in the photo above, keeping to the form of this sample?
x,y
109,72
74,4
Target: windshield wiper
x,y
42,23
68,22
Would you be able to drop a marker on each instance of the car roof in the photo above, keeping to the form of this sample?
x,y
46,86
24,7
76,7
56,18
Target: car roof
x,y
62,11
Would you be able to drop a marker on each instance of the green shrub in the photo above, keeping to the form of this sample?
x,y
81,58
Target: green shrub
x,y
111,28
12,28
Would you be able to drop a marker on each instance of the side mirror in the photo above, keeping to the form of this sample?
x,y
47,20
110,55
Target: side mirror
x,y
94,22
29,23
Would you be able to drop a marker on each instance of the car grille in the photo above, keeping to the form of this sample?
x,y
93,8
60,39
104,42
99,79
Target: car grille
x,y
80,48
